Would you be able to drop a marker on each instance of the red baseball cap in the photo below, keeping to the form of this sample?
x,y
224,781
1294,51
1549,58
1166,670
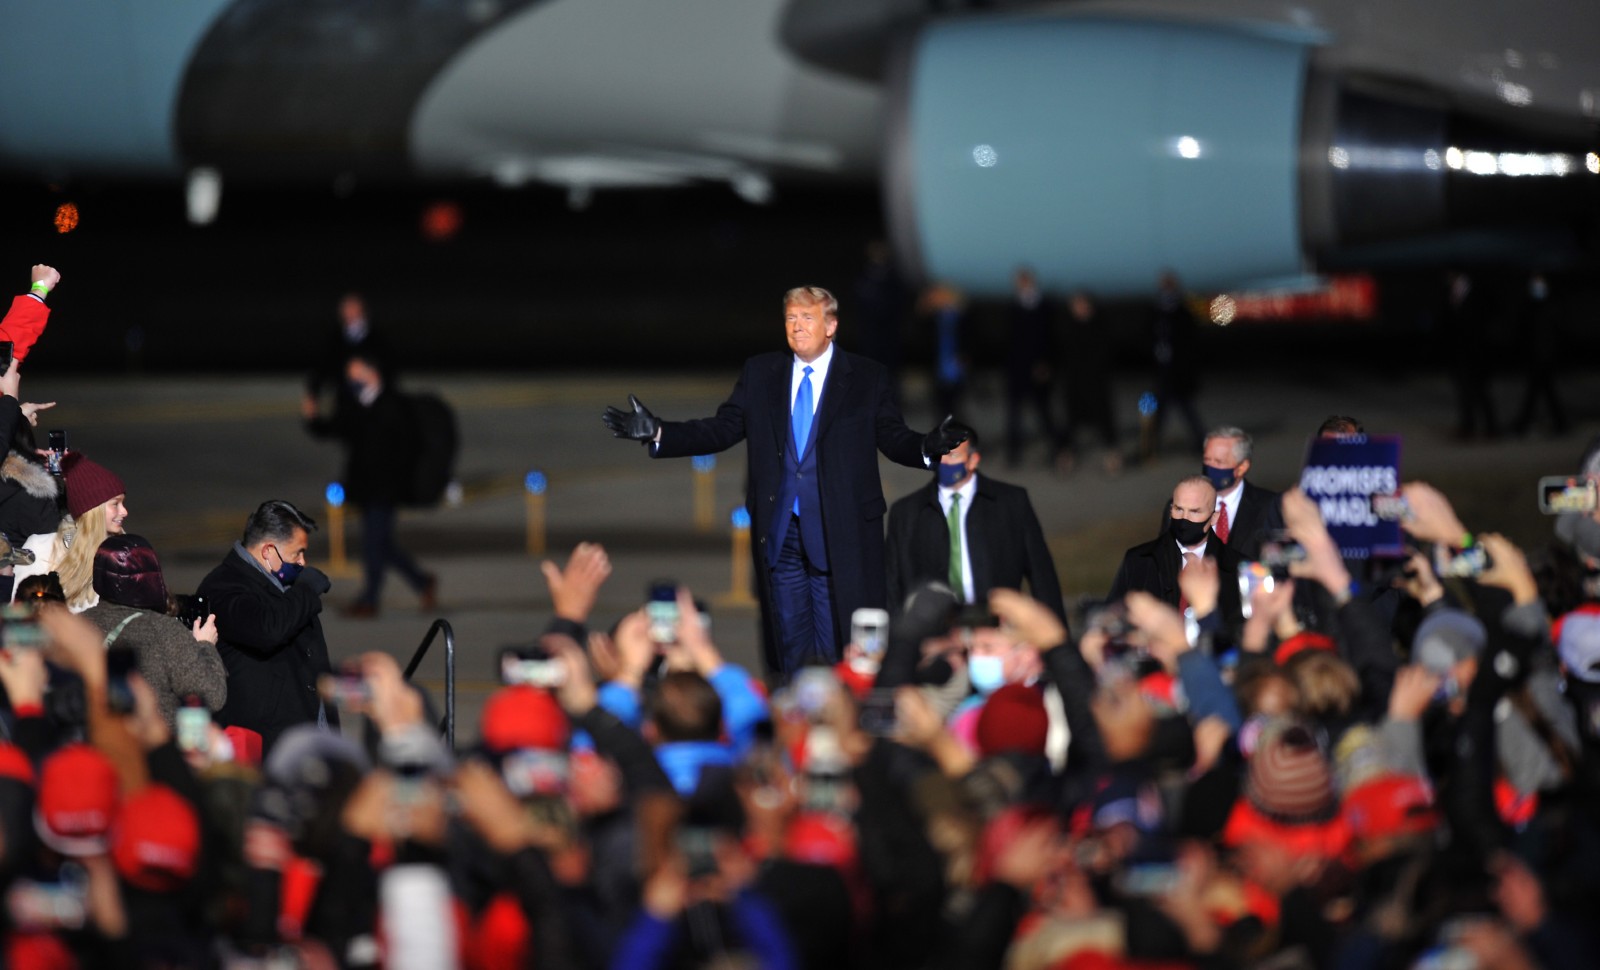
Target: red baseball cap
x,y
15,764
155,844
1391,804
820,839
524,717
77,800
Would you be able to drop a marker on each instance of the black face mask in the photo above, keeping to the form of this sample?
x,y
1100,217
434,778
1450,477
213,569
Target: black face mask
x,y
1188,533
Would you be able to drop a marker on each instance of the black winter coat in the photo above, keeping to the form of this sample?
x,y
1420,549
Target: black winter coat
x,y
380,445
271,642
28,492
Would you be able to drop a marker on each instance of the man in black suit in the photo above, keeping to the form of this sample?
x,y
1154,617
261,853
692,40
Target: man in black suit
x,y
1029,356
1177,359
998,544
377,428
814,420
1154,566
1246,514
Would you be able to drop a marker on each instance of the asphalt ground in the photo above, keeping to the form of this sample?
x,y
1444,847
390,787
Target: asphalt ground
x,y
199,453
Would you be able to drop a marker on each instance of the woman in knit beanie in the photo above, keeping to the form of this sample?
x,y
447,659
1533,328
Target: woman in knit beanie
x,y
177,659
95,509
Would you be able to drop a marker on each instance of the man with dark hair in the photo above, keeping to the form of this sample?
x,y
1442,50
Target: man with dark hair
x,y
355,337
685,724
267,600
1031,350
814,421
970,531
1177,358
379,434
1338,424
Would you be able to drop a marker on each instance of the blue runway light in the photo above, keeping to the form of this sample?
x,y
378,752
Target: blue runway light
x,y
704,463
335,494
741,518
536,483
1147,403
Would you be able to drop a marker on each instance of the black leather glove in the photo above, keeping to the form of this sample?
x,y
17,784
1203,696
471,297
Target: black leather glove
x,y
640,425
942,440
314,579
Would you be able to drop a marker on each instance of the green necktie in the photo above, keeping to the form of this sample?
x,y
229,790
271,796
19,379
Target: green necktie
x,y
957,585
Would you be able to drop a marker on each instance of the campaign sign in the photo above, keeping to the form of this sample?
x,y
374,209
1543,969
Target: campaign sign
x,y
1341,475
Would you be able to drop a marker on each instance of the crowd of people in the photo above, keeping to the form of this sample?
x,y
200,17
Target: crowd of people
x,y
1343,769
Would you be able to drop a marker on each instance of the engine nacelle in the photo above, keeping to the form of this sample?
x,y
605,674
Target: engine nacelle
x,y
1096,151
1101,152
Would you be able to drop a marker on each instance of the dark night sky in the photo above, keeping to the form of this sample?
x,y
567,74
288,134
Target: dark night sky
x,y
684,279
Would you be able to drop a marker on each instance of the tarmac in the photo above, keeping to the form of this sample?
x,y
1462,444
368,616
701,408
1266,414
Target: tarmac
x,y
198,454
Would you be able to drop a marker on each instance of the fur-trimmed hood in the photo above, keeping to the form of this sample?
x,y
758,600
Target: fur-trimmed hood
x,y
35,479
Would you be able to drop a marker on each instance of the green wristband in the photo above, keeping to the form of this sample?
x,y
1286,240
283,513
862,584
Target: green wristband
x,y
40,287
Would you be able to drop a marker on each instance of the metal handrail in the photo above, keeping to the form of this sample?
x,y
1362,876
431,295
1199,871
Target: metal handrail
x,y
448,726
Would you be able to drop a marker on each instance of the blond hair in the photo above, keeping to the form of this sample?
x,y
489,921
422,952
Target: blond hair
x,y
73,553
1329,687
813,296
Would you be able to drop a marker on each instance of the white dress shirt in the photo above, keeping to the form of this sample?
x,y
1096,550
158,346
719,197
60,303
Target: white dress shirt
x,y
819,377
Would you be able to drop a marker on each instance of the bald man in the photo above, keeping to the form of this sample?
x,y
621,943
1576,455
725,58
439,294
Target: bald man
x,y
1154,566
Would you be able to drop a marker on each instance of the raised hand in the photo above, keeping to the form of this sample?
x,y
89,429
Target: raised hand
x,y
941,440
573,589
639,424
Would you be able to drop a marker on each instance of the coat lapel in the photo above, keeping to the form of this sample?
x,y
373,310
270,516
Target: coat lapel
x,y
834,392
1244,520
1168,562
782,371
979,524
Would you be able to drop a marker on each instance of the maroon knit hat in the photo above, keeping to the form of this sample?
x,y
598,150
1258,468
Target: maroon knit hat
x,y
127,573
89,484
1013,719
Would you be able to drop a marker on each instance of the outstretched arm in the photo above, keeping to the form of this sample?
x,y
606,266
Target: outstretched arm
x,y
706,436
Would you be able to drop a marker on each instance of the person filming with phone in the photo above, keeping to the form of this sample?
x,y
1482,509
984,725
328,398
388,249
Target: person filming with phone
x,y
177,652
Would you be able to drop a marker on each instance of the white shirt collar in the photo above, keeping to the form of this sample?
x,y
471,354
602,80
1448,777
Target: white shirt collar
x,y
819,375
1199,551
1231,501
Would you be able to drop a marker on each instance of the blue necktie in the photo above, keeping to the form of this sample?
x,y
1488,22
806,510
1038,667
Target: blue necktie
x,y
800,422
